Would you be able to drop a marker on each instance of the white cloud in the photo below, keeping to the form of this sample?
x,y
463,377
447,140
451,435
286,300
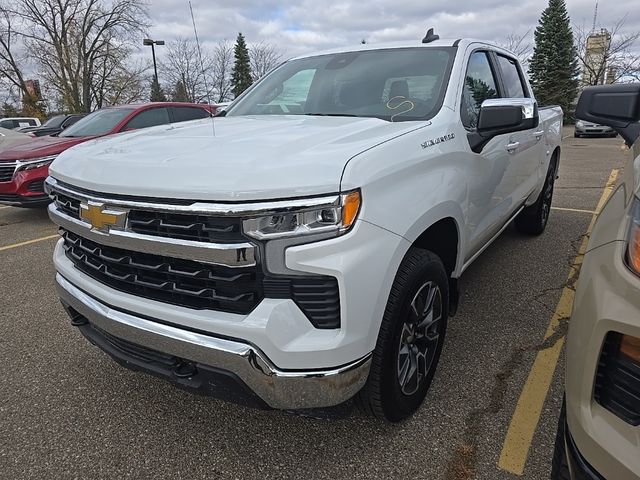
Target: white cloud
x,y
301,26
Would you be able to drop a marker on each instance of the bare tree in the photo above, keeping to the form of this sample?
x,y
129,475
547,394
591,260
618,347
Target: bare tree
x,y
12,59
183,65
612,55
519,45
117,82
222,58
75,43
263,57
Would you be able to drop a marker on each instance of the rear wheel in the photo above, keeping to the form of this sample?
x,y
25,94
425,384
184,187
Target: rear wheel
x,y
533,219
410,339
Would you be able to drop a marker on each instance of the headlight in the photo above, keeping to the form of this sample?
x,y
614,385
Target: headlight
x,y
24,165
330,216
630,346
633,238
579,124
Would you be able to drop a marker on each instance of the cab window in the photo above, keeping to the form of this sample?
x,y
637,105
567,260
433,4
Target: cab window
x,y
149,118
184,114
479,85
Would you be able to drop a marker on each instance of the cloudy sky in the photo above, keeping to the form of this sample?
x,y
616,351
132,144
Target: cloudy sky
x,y
301,26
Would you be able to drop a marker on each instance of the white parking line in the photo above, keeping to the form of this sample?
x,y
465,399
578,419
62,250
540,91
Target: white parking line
x,y
577,210
28,242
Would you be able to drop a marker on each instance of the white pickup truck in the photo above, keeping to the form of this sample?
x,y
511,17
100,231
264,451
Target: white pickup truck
x,y
304,249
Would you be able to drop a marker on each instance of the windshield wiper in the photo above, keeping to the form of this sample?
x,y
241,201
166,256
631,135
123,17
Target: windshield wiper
x,y
332,115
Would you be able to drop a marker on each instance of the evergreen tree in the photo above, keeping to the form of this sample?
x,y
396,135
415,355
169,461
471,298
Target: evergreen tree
x,y
241,75
554,65
180,93
157,94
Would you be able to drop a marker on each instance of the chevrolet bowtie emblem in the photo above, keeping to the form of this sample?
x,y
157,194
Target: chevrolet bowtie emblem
x,y
101,218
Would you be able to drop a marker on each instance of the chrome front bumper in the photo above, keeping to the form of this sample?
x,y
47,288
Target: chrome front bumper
x,y
279,389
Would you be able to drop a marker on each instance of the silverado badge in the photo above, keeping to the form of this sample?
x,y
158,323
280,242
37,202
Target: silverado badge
x,y
100,218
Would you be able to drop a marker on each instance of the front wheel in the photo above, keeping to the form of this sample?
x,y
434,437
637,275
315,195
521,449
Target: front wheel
x,y
410,339
533,219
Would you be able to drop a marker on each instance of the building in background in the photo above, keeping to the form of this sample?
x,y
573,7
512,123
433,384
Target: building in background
x,y
598,44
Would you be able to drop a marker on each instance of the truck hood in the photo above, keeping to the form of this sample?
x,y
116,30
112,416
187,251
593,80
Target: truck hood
x,y
40,147
248,158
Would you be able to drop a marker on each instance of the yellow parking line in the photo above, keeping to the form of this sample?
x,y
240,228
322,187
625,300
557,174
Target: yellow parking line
x,y
577,210
28,242
527,413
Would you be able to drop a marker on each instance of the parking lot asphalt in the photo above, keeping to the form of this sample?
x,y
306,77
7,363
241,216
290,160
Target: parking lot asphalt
x,y
68,411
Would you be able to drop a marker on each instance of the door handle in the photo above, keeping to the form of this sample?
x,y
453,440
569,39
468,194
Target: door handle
x,y
538,134
512,147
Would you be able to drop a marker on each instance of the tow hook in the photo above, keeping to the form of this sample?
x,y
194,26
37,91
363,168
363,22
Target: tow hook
x,y
77,319
185,370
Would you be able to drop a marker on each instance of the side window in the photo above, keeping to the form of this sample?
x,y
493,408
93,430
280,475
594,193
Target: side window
x,y
70,121
149,118
479,85
183,114
511,77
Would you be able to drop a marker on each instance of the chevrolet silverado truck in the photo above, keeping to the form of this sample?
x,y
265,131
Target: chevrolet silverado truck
x,y
304,248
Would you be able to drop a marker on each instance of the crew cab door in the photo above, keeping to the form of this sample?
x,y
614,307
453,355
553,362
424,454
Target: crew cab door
x,y
489,190
528,145
504,169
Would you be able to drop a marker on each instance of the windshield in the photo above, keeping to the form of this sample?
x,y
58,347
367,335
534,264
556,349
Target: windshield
x,y
393,84
97,123
54,122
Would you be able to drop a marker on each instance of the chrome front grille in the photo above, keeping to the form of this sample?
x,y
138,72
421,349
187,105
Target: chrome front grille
x,y
199,228
171,280
68,205
6,171
183,226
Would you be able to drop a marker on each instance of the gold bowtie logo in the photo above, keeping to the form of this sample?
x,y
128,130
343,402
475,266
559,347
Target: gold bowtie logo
x,y
101,218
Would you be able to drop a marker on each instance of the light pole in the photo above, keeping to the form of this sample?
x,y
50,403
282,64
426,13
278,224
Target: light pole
x,y
153,43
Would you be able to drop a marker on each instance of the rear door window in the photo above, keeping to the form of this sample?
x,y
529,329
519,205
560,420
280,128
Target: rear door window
x,y
184,114
149,118
511,77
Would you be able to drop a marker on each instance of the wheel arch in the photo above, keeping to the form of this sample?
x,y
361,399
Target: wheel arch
x,y
440,230
443,238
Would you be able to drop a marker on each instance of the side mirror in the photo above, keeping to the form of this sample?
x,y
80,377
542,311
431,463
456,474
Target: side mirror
x,y
505,115
617,106
499,116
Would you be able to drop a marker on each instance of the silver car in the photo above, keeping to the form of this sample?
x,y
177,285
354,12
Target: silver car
x,y
587,129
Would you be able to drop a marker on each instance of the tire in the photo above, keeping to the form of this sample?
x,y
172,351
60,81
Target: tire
x,y
575,135
559,466
533,219
410,339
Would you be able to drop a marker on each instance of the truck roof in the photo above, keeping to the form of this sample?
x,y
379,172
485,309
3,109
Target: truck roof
x,y
446,42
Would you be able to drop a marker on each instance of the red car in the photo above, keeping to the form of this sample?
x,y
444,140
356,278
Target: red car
x,y
24,167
